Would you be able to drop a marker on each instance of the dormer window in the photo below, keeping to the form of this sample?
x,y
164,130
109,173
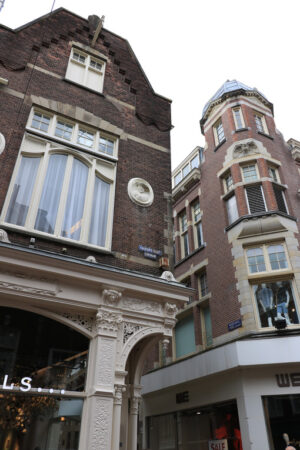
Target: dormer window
x,y
86,70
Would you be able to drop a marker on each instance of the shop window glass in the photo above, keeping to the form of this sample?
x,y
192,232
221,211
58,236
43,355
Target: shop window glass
x,y
185,336
275,301
282,414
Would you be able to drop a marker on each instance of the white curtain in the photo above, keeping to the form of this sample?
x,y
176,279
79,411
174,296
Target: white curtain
x,y
22,191
99,213
47,212
75,201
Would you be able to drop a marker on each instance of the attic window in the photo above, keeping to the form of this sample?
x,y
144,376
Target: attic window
x,y
86,70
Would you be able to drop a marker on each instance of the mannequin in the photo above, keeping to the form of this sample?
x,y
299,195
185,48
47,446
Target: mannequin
x,y
283,300
265,297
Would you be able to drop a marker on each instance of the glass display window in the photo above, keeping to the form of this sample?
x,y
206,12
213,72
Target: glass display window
x,y
275,301
282,414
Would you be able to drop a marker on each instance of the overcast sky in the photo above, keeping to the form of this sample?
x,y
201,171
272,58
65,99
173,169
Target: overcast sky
x,y
189,49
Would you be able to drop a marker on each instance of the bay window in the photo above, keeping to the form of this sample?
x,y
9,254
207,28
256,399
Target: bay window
x,y
60,192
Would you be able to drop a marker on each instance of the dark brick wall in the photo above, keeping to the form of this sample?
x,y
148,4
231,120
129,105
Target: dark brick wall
x,y
46,44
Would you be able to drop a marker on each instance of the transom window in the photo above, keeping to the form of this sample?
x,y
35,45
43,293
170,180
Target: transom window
x,y
40,121
61,129
57,192
249,173
266,258
86,70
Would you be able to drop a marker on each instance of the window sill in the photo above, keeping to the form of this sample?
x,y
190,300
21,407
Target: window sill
x,y
258,215
219,145
83,87
239,130
189,255
50,237
276,274
266,135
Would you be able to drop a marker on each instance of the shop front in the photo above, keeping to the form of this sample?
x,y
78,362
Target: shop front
x,y
243,395
43,367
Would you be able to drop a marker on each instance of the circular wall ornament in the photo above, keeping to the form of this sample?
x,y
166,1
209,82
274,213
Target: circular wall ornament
x,y
2,143
140,192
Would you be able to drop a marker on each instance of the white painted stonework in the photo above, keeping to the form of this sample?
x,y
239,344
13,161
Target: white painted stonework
x,y
116,310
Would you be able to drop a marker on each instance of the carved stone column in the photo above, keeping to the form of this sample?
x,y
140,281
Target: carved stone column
x,y
133,418
119,389
97,423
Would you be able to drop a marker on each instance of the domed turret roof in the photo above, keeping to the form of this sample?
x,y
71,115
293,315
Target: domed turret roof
x,y
231,86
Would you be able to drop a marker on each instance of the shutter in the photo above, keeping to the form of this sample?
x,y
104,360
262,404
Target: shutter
x,y
279,195
255,199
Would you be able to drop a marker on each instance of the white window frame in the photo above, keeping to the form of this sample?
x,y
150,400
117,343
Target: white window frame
x,y
228,186
55,118
218,140
235,216
184,237
35,146
238,110
254,180
260,122
267,263
86,66
197,223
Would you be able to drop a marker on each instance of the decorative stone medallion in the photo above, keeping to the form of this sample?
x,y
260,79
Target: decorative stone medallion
x,y
2,143
140,192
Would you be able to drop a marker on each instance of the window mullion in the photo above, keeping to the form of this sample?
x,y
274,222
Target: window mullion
x,y
87,211
37,190
64,195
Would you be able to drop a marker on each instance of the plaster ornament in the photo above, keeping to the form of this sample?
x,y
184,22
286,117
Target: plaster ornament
x,y
111,297
129,330
2,143
246,149
140,192
91,259
171,309
108,321
166,275
3,234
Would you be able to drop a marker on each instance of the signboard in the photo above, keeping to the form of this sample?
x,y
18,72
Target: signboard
x,y
235,324
220,444
25,386
149,252
182,397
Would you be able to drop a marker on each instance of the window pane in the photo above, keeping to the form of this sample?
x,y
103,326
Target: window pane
x,y
277,257
259,123
197,213
232,210
220,132
63,130
238,118
208,326
185,170
199,234
273,174
78,57
106,146
75,202
95,65
203,284
177,178
183,222
186,244
47,212
275,301
256,261
22,191
40,121
85,138
228,182
195,162
249,173
99,213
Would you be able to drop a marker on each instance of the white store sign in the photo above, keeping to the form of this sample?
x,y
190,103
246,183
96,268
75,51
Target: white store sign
x,y
220,444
